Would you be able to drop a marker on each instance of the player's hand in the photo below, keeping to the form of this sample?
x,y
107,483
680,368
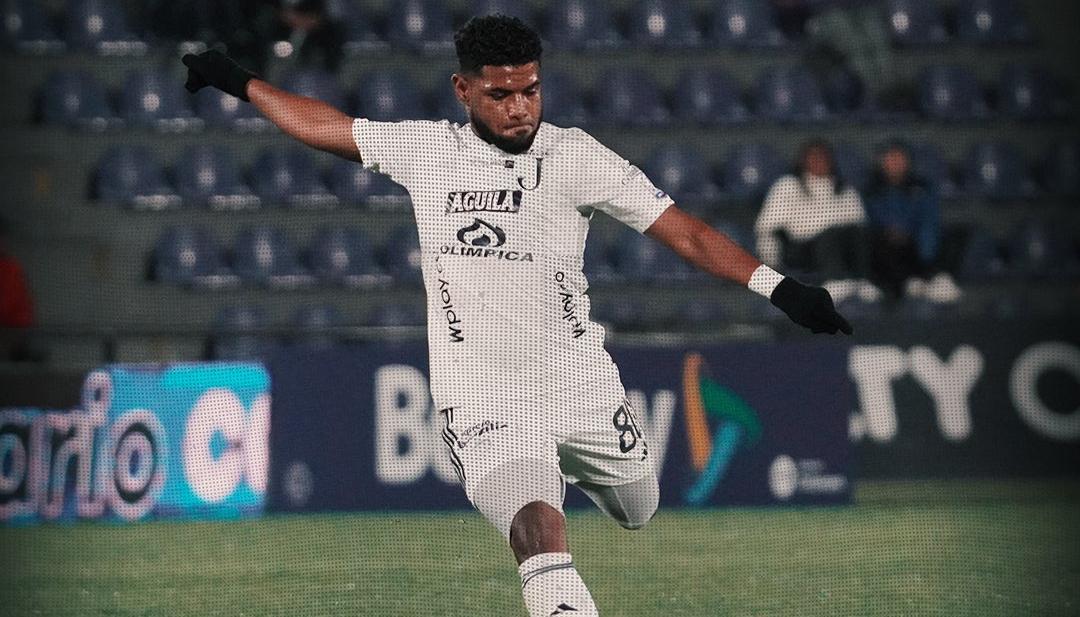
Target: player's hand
x,y
810,307
213,68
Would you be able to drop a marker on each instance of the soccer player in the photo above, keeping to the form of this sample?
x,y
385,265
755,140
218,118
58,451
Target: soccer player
x,y
529,397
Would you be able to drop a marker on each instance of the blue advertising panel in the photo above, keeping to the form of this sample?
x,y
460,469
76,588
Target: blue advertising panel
x,y
154,441
354,429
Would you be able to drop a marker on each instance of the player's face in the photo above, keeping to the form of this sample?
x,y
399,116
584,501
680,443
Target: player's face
x,y
503,104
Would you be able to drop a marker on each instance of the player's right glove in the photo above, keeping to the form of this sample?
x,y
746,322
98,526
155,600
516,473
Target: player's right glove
x,y
213,68
810,307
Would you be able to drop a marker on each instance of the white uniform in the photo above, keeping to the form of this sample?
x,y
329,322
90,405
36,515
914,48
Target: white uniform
x,y
516,365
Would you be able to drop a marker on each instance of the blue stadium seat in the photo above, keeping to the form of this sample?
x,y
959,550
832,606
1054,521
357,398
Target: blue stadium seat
x,y
846,95
745,23
233,338
1037,249
357,26
511,8
75,99
578,24
26,28
312,322
991,22
618,314
997,171
982,258
930,164
703,313
682,173
316,84
132,176
599,264
156,99
1060,169
708,96
419,24
401,255
949,92
629,97
852,165
1029,93
388,96
564,103
288,176
915,22
343,256
224,110
208,175
189,256
263,255
99,25
789,94
750,169
447,107
399,314
663,23
354,185
640,258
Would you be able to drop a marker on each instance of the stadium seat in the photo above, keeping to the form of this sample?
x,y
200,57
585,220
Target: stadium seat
x,y
312,322
599,265
360,35
789,94
618,314
99,26
749,170
745,23
399,314
157,100
1037,249
852,165
207,175
189,256
949,92
996,171
845,94
982,258
564,104
75,99
388,96
629,97
419,24
663,23
639,258
447,107
682,173
401,256
262,255
915,22
708,96
703,313
288,176
132,176
343,256
233,338
1060,169
512,8
578,24
26,28
929,163
224,110
991,22
1029,93
356,186
316,84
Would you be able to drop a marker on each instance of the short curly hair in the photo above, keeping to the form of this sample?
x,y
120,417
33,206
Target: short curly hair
x,y
495,40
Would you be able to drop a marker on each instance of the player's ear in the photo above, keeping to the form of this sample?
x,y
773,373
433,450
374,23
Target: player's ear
x,y
461,87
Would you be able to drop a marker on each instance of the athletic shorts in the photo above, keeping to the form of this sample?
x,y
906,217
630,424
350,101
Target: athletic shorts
x,y
604,446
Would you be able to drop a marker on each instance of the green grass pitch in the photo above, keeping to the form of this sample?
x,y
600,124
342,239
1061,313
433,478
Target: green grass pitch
x,y
950,549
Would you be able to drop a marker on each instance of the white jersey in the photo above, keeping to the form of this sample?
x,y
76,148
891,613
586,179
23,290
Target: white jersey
x,y
502,239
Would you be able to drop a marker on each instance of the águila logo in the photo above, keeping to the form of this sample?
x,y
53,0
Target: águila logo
x,y
734,424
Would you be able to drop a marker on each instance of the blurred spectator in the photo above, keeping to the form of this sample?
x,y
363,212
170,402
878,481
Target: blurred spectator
x,y
811,219
16,306
905,230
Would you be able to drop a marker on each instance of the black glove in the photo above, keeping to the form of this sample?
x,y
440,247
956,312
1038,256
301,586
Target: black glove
x,y
213,68
810,307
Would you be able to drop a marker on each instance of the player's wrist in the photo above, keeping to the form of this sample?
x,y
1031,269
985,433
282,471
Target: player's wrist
x,y
764,281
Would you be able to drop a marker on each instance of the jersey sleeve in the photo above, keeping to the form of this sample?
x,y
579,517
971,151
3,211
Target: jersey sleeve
x,y
615,186
399,149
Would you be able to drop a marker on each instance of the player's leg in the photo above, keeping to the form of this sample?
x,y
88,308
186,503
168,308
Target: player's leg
x,y
632,505
513,479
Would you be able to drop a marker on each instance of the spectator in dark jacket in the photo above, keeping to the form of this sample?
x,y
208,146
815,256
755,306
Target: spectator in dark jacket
x,y
904,219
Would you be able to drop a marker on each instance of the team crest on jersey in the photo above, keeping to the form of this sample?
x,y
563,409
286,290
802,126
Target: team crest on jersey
x,y
483,201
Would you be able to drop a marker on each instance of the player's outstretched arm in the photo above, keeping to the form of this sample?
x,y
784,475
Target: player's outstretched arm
x,y
311,121
715,253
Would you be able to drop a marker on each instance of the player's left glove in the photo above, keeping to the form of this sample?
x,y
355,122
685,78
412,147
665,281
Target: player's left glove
x,y
213,68
810,307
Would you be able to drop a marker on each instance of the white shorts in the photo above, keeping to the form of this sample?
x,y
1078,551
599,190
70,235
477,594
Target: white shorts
x,y
604,446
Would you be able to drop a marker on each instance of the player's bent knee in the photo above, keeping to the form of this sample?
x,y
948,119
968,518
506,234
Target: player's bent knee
x,y
639,501
537,528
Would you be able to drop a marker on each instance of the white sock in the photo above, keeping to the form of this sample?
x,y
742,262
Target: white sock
x,y
552,587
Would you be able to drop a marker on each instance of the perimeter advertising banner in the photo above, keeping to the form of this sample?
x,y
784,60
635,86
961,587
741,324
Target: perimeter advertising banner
x,y
183,440
747,424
